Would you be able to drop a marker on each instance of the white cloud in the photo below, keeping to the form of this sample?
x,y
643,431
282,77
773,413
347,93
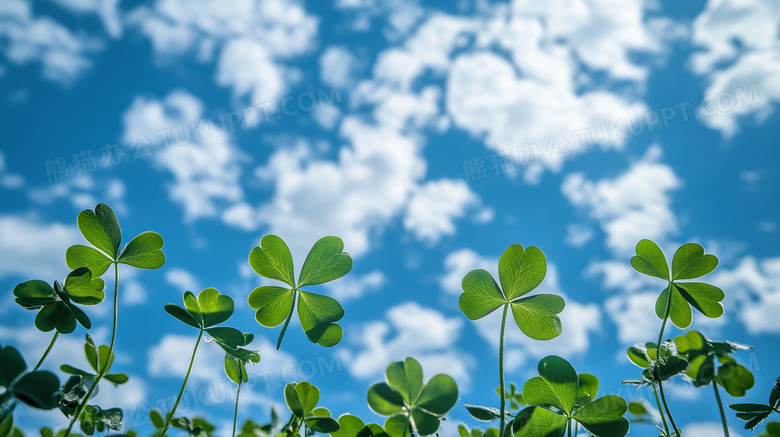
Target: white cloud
x,y
353,287
634,316
578,235
707,429
460,262
62,54
752,293
337,65
195,149
410,331
633,206
34,249
741,49
171,358
248,67
434,205
181,279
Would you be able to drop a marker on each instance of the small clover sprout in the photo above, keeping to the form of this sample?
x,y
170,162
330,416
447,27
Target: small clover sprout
x,y
413,406
558,397
301,399
318,314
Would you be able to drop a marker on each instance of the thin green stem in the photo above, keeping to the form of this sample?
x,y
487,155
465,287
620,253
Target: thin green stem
x,y
720,407
660,410
183,386
658,357
46,354
569,420
502,389
107,365
287,322
238,393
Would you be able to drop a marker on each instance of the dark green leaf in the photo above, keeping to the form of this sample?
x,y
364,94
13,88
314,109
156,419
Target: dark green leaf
x,y
556,385
604,416
34,294
679,310
101,228
273,304
293,401
385,400
588,386
705,298
439,395
37,389
774,396
485,414
181,314
11,365
318,314
322,424
57,316
84,290
84,256
538,422
406,377
215,308
424,422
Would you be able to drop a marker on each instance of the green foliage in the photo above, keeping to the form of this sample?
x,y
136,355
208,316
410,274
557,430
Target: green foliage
x,y
655,368
56,304
413,406
772,430
353,426
554,395
520,271
301,399
464,432
641,412
37,389
702,353
318,314
754,414
689,262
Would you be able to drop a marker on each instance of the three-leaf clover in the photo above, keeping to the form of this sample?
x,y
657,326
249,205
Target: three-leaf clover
x,y
101,228
318,314
702,352
464,432
413,406
56,304
37,389
98,358
655,368
554,395
756,413
520,271
206,311
301,399
689,262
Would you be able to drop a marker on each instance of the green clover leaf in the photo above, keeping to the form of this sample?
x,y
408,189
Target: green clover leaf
x,y
520,271
37,389
689,262
702,354
558,386
353,426
753,413
646,357
413,406
318,314
302,399
100,227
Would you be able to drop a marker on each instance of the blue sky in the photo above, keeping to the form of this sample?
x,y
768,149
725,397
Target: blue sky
x,y
429,136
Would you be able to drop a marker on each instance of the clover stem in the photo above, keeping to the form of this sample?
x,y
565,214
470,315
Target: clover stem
x,y
660,410
569,420
720,407
46,354
658,358
107,365
287,322
183,386
502,389
238,393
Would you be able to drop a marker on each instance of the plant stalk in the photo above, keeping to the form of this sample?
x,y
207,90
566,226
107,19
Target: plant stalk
x,y
569,420
46,354
658,358
720,407
103,369
286,322
502,389
238,393
183,386
660,410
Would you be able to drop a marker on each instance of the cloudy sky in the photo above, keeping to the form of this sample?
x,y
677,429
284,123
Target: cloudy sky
x,y
429,136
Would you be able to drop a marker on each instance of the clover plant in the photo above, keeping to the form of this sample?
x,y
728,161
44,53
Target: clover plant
x,y
520,271
414,407
318,314
36,388
675,301
756,413
100,228
353,426
301,399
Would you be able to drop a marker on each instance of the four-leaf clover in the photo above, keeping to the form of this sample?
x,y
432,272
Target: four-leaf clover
x,y
318,314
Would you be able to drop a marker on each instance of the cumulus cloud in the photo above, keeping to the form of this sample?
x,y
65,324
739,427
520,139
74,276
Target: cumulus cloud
x,y
182,279
34,249
353,287
753,285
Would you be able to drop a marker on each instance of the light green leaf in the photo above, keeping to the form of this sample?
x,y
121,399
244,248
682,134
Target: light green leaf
x,y
231,337
484,414
273,260
481,295
293,401
384,400
398,426
556,385
735,378
520,271
604,416
538,422
326,261
537,316
650,260
406,377
273,304
181,314
215,307
322,424
349,426
101,228
638,355
144,251
588,387
439,395
705,298
84,256
82,289
424,422
690,262
193,307
308,395
318,314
